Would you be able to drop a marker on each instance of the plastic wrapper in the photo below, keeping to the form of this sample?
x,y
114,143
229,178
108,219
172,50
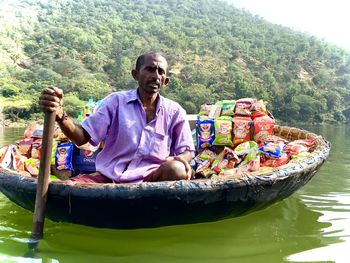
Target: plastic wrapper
x,y
32,166
20,159
273,138
241,130
25,146
275,162
64,157
272,149
206,154
36,149
250,166
30,130
204,160
223,131
263,126
226,159
246,148
228,107
244,107
205,133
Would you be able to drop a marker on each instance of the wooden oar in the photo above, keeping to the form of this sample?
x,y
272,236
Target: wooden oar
x,y
43,180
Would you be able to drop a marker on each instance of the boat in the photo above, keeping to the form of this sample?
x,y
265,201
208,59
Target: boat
x,y
155,204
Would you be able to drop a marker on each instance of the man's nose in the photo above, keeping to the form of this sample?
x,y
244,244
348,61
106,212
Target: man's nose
x,y
155,74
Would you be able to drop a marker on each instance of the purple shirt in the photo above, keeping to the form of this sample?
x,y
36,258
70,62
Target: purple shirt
x,y
134,148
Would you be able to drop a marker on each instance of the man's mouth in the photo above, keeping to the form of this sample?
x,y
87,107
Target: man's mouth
x,y
154,85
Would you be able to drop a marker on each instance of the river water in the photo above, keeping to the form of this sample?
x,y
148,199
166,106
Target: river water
x,y
313,225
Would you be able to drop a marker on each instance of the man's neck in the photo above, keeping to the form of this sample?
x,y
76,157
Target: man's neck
x,y
148,100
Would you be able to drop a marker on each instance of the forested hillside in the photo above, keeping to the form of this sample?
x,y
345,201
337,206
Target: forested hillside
x,y
215,51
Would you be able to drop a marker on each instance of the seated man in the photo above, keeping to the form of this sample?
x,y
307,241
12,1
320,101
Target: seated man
x,y
147,137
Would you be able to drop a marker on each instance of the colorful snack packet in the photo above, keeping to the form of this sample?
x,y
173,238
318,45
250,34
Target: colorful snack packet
x,y
272,149
223,131
25,146
245,106
263,126
205,133
64,157
36,149
246,148
275,162
32,166
226,159
206,154
228,107
242,129
299,146
205,109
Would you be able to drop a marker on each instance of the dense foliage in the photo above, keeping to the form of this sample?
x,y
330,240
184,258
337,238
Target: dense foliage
x,y
215,51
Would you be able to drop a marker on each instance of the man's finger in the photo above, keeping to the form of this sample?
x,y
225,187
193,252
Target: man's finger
x,y
188,168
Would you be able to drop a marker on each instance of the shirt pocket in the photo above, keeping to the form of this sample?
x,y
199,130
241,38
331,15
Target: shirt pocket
x,y
159,148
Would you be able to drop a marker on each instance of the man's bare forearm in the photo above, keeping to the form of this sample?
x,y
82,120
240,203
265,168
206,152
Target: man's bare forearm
x,y
73,131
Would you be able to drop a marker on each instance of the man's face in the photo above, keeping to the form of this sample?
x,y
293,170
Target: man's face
x,y
152,74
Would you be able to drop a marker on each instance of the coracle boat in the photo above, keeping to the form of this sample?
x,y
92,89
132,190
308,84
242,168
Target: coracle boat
x,y
155,204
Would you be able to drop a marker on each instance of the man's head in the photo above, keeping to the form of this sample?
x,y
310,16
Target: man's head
x,y
151,72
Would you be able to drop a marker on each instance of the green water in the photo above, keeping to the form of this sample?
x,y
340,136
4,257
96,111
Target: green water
x,y
313,225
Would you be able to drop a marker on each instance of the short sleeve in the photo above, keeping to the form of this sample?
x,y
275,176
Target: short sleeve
x,y
97,125
181,136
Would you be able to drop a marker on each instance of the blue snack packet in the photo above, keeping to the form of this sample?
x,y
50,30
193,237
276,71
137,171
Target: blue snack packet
x,y
272,149
63,157
205,133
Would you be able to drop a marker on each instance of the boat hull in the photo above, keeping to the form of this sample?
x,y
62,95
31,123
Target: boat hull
x,y
155,204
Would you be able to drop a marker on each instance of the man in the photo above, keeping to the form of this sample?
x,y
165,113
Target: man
x,y
147,137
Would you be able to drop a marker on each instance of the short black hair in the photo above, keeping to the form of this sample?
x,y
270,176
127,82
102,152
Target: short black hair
x,y
141,59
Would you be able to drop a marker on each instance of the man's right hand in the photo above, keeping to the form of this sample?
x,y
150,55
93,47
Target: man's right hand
x,y
51,99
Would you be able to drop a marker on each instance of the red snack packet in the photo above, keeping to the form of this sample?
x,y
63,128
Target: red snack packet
x,y
263,126
274,162
245,106
25,146
299,146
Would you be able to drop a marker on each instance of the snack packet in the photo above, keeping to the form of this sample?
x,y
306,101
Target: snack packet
x,y
241,130
205,132
228,107
263,126
272,149
226,159
245,106
223,131
275,162
64,157
25,146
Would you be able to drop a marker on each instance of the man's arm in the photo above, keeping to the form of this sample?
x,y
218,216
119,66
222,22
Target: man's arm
x,y
51,99
184,158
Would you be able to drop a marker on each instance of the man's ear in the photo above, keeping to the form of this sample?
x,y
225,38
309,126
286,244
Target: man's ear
x,y
166,81
135,74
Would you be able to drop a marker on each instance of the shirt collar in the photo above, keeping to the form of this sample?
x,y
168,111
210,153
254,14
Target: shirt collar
x,y
134,96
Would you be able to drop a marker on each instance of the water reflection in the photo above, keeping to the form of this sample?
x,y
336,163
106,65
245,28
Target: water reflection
x,y
269,235
328,195
312,225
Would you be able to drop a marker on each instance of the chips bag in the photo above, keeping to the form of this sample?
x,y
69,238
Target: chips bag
x,y
205,133
263,126
241,129
64,154
223,131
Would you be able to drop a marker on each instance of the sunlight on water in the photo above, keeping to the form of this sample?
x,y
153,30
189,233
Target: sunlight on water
x,y
335,208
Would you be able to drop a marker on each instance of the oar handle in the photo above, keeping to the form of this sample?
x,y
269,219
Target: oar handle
x,y
43,177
